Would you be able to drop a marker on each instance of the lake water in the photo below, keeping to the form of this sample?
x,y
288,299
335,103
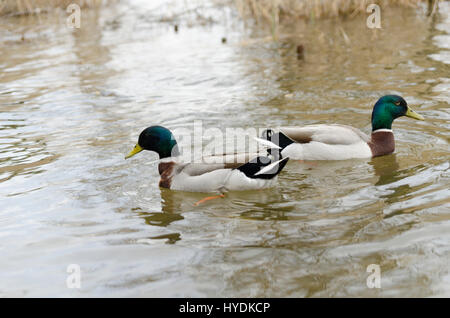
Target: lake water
x,y
72,103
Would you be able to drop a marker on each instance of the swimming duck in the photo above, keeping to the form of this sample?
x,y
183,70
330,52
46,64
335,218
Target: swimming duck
x,y
340,142
246,172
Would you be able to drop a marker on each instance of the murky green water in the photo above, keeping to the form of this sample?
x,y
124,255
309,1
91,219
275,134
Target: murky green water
x,y
73,103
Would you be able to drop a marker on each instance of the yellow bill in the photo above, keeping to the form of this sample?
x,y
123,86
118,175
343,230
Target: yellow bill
x,y
136,149
413,114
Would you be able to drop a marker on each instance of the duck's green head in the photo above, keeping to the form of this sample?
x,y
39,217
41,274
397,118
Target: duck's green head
x,y
157,139
388,108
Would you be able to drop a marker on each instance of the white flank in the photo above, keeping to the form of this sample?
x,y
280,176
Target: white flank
x,y
321,151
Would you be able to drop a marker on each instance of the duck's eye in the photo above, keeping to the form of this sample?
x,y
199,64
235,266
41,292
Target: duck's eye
x,y
397,103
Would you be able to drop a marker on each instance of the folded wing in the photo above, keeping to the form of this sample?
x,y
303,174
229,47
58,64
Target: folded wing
x,y
327,134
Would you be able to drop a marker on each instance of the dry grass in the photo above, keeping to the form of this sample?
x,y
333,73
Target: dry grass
x,y
24,7
275,11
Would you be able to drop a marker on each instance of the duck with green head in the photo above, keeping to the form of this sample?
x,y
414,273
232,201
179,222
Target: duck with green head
x,y
243,171
340,142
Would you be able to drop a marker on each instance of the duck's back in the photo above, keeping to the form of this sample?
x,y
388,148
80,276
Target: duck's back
x,y
334,134
326,142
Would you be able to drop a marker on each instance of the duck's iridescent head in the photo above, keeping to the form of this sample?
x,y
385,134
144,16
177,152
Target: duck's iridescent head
x,y
388,108
158,139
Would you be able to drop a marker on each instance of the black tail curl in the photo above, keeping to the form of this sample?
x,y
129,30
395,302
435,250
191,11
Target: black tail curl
x,y
278,138
254,166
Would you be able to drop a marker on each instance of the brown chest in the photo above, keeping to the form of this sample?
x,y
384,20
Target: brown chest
x,y
381,143
166,172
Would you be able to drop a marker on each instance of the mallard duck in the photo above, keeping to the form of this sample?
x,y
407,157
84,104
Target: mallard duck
x,y
340,142
246,172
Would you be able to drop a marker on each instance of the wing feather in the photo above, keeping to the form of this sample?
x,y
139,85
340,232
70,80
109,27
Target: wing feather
x,y
328,134
216,162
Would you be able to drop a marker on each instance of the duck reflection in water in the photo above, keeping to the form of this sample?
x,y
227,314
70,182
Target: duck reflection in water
x,y
386,167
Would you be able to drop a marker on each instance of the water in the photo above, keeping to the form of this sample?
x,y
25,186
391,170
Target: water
x,y
73,103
